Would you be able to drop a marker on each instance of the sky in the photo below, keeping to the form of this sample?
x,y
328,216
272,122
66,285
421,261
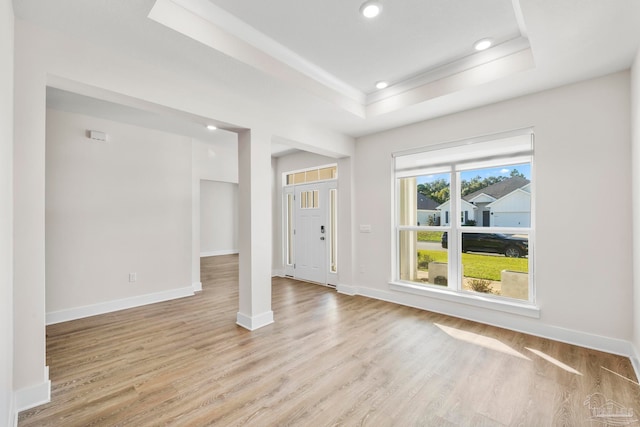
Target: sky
x,y
525,169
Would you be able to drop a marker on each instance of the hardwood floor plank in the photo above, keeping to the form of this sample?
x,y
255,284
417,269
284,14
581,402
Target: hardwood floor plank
x,y
329,359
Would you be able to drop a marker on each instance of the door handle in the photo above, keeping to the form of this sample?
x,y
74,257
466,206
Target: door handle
x,y
322,238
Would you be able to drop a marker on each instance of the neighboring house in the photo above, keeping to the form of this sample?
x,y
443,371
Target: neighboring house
x,y
513,209
504,204
468,212
428,213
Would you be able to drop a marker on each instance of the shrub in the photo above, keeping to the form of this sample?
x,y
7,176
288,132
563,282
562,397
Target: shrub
x,y
440,280
481,285
424,260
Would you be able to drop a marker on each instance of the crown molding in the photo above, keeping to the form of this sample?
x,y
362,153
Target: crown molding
x,y
215,27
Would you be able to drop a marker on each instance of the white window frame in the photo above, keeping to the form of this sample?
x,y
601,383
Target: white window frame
x,y
453,291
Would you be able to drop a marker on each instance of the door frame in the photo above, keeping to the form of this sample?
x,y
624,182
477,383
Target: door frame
x,y
289,245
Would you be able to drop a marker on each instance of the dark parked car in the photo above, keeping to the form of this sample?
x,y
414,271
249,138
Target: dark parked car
x,y
509,245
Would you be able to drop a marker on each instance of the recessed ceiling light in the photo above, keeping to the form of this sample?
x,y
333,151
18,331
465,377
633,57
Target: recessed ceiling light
x,y
382,84
483,44
371,9
212,127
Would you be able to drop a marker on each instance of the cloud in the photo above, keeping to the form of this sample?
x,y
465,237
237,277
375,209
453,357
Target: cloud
x,y
505,170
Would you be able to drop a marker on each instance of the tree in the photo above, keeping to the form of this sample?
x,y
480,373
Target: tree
x,y
477,183
515,172
437,190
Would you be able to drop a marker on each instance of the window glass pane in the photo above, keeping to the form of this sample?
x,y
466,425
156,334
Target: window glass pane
x,y
298,178
424,200
487,223
496,197
289,229
327,173
423,259
496,263
333,218
311,175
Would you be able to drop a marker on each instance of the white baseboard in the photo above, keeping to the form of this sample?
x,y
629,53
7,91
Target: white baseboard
x,y
255,322
116,305
506,321
347,289
12,416
32,396
197,287
218,253
277,273
635,361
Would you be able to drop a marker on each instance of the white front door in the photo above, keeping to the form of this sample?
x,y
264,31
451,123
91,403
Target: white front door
x,y
311,232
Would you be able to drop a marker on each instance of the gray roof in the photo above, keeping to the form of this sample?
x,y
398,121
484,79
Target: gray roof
x,y
426,204
500,189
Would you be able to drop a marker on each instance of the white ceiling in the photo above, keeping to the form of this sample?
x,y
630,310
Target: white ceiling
x,y
409,37
150,118
319,68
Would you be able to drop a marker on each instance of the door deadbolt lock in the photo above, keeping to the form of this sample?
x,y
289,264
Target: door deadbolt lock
x,y
322,229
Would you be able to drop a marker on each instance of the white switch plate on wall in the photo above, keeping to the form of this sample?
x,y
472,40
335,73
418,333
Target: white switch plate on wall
x,y
365,228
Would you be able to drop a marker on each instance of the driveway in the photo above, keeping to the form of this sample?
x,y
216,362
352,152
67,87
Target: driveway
x,y
431,246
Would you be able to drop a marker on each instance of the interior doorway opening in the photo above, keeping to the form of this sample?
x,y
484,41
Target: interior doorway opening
x,y
310,206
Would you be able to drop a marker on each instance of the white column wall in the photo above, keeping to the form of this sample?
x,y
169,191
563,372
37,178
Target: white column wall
x,y
29,218
635,179
254,240
6,213
346,225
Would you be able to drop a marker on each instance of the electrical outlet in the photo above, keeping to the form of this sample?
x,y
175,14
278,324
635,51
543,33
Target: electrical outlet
x,y
133,277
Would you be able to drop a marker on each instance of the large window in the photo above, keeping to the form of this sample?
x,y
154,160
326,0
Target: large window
x,y
464,217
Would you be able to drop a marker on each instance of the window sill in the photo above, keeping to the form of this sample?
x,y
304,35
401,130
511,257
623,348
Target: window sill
x,y
522,309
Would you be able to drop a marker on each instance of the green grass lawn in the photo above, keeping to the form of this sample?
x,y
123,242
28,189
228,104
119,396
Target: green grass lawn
x,y
483,266
429,236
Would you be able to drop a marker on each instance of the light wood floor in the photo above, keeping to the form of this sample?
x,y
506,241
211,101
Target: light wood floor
x,y
329,359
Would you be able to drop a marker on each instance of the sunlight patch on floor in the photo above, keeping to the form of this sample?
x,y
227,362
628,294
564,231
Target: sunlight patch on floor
x,y
556,362
481,340
621,376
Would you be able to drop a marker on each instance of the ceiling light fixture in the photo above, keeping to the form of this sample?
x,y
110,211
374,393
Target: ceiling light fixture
x,y
212,127
371,8
483,44
382,84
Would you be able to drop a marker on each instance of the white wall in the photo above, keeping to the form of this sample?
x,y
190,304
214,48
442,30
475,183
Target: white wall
x,y
635,167
114,208
46,57
218,218
217,160
583,268
6,210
